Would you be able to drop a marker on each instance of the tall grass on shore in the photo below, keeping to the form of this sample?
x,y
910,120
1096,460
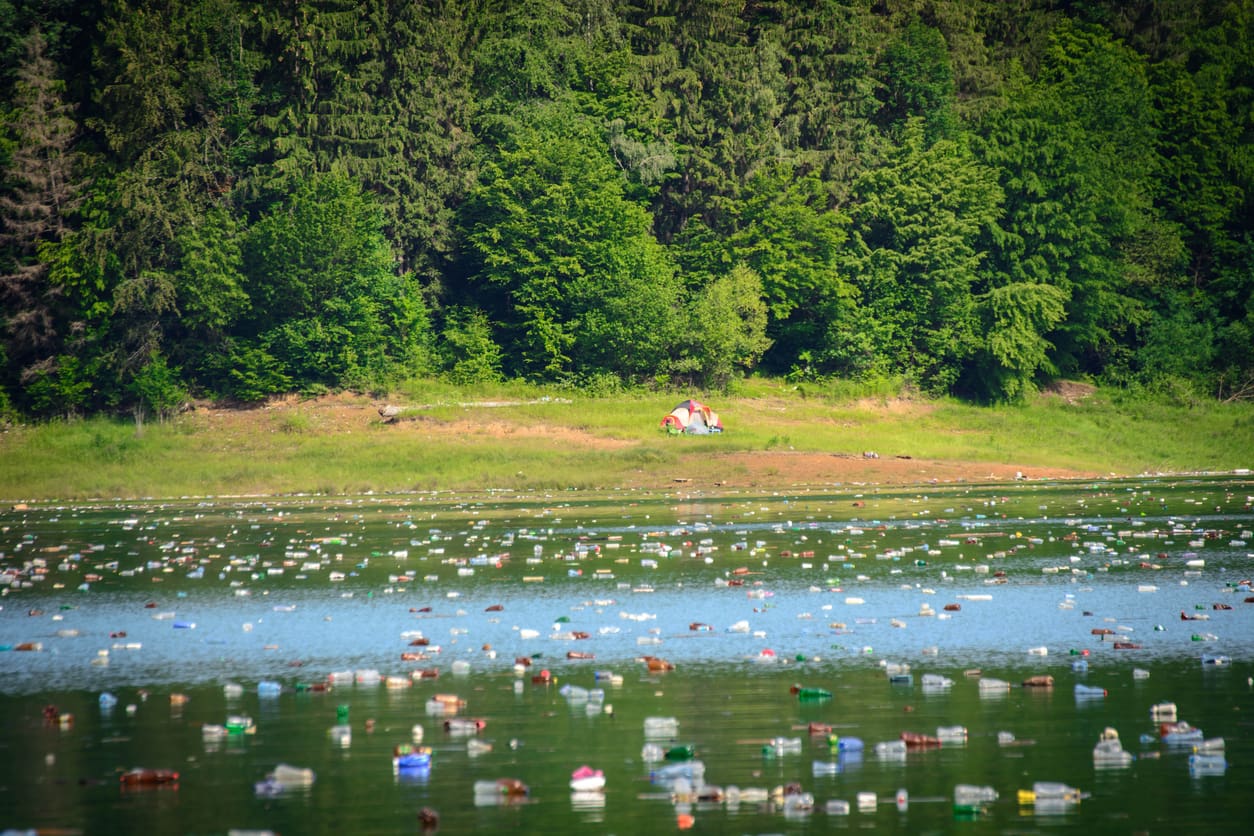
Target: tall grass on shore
x,y
528,438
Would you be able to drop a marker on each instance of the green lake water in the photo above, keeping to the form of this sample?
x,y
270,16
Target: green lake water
x,y
161,605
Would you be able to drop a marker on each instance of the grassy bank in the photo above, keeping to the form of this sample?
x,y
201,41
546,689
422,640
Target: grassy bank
x,y
527,438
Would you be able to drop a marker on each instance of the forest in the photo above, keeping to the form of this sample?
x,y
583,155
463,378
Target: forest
x,y
232,200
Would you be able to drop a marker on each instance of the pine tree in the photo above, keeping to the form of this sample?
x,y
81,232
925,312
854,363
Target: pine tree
x,y
41,190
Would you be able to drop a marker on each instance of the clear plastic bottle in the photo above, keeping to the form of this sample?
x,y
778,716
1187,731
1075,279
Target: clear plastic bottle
x,y
690,770
785,745
574,693
1049,790
894,749
1207,764
657,727
970,795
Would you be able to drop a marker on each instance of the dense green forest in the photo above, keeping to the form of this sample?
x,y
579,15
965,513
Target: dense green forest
x,y
229,199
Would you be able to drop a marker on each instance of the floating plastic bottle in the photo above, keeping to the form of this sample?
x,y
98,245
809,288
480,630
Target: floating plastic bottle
x,y
1180,733
1207,764
1110,753
972,795
1049,791
783,746
1215,744
292,776
212,732
891,749
1163,712
690,770
462,726
812,694
837,807
652,753
573,693
108,701
1088,692
410,758
867,802
952,735
148,777
501,788
341,735
823,768
661,727
936,682
684,752
902,800
266,688
988,685
845,744
239,724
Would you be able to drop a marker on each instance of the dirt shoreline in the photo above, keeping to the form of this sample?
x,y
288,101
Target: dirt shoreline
x,y
771,469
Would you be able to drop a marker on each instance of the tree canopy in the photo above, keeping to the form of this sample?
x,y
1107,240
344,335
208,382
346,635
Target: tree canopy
x,y
228,199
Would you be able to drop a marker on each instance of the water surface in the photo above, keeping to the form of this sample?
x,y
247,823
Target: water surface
x,y
745,595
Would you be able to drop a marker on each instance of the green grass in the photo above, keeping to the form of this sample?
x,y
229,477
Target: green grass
x,y
551,439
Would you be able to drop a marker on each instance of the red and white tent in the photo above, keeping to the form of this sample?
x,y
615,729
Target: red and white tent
x,y
692,417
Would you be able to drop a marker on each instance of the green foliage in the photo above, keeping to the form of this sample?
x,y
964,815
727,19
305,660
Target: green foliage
x,y
1014,318
784,231
1075,156
916,258
918,82
250,373
211,296
156,388
568,265
728,332
297,184
326,303
60,388
468,353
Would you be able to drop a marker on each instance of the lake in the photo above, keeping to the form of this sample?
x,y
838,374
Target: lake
x,y
332,624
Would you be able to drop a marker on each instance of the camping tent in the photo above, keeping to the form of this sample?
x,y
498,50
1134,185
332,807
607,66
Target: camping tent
x,y
692,417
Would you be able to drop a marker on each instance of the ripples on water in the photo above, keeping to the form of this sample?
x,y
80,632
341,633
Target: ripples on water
x,y
1071,556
